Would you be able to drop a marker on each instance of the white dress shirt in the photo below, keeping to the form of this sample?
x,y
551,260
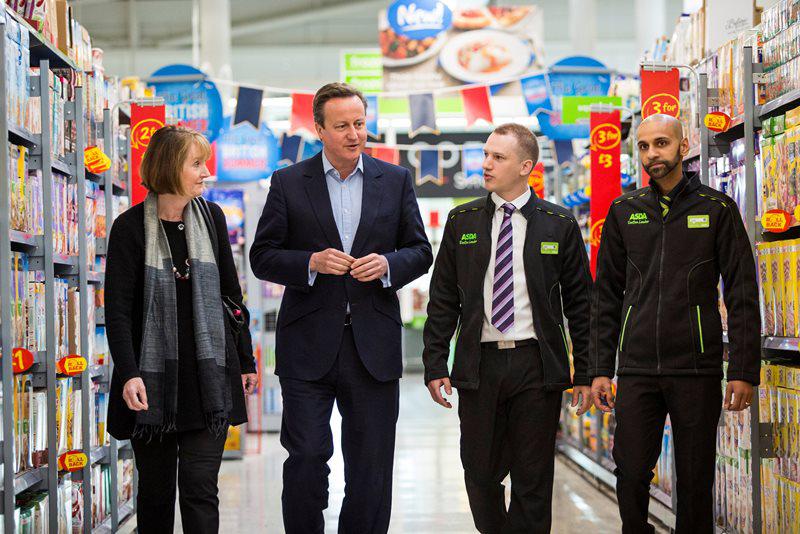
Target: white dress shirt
x,y
523,316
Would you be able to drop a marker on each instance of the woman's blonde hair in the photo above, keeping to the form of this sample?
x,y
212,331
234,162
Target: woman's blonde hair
x,y
162,163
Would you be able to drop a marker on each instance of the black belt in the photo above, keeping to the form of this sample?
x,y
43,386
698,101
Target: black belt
x,y
348,320
505,345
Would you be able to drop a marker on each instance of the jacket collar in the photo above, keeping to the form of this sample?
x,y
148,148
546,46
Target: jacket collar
x,y
689,182
526,210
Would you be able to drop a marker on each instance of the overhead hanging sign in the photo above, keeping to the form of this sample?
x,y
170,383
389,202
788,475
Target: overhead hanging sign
x,y
195,104
426,46
558,83
363,69
145,120
661,92
605,137
246,154
576,109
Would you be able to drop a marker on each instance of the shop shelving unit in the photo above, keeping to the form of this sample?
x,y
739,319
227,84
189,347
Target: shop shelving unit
x,y
79,274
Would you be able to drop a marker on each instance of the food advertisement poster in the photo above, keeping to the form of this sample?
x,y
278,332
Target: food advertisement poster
x,y
425,45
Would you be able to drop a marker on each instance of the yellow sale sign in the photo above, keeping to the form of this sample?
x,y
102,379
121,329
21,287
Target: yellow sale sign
x,y
72,461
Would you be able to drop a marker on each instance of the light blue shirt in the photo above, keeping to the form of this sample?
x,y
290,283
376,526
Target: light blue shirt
x,y
345,195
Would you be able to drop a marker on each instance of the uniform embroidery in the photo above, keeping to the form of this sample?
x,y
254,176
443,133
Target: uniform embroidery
x,y
468,239
549,248
698,221
638,218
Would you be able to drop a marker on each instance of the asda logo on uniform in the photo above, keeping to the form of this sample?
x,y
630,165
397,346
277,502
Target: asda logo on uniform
x,y
638,218
468,239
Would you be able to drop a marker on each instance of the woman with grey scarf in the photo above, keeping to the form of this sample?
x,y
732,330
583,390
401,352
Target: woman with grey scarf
x,y
182,364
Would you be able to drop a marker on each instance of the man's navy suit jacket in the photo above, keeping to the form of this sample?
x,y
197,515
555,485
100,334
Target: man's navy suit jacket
x,y
298,220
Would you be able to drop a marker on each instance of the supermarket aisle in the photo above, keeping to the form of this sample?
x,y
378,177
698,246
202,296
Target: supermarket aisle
x,y
429,495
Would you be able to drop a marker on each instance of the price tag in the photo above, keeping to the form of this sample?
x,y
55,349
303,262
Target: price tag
x,y
717,121
95,161
776,221
72,461
72,365
21,360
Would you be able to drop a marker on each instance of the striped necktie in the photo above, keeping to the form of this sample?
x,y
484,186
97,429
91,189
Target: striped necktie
x,y
665,202
503,287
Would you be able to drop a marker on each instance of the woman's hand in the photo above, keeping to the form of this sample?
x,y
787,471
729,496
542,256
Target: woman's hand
x,y
135,394
249,383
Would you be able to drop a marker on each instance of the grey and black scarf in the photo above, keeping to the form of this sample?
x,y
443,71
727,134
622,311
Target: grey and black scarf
x,y
158,363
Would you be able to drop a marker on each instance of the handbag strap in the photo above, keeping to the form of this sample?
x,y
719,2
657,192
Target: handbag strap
x,y
212,228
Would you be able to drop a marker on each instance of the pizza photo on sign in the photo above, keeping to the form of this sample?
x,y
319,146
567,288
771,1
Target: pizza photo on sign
x,y
510,15
472,19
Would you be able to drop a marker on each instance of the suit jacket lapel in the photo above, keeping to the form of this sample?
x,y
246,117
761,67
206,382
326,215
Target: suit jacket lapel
x,y
371,195
317,189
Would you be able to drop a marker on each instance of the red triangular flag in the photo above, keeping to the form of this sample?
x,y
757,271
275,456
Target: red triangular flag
x,y
302,113
476,104
387,154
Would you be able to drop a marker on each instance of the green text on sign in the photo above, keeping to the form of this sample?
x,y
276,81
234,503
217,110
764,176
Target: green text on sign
x,y
577,108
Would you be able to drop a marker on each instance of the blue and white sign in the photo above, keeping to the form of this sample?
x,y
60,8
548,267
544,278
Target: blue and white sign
x,y
419,19
245,154
194,104
472,160
543,94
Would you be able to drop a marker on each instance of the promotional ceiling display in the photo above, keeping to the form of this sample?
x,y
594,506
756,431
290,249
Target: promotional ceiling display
x,y
195,104
246,154
440,171
425,45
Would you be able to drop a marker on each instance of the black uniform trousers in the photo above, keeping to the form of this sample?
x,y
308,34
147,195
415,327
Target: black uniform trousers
x,y
369,410
195,457
694,404
508,425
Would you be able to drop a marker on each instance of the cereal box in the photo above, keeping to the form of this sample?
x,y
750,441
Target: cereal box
x,y
765,278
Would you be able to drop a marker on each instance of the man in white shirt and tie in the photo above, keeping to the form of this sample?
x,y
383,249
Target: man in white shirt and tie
x,y
506,264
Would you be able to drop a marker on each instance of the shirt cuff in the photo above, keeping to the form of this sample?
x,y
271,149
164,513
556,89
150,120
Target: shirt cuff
x,y
386,279
312,275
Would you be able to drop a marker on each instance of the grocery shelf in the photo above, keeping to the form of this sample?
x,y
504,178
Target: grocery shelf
x,y
694,152
736,131
22,137
96,178
41,48
100,316
98,455
94,277
125,513
97,371
61,166
24,240
779,104
782,343
33,478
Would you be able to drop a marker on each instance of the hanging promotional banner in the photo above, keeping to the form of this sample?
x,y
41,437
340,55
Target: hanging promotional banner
x,y
425,45
145,120
661,92
605,137
194,104
558,83
576,109
363,69
302,117
472,160
476,104
232,203
245,154
372,116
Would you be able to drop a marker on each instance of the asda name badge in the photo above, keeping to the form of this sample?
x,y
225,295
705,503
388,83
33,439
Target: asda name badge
x,y
419,19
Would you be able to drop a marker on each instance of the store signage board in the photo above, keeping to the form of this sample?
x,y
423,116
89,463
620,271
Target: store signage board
x,y
21,360
426,45
363,69
145,120
246,154
660,92
194,104
776,221
576,109
72,461
547,107
717,121
726,19
605,138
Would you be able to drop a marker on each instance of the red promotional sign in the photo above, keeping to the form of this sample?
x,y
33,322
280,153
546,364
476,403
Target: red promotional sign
x,y
476,104
302,116
605,140
536,179
21,360
661,92
145,120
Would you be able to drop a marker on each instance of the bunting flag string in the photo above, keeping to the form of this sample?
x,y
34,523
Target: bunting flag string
x,y
430,167
302,117
248,106
476,104
422,109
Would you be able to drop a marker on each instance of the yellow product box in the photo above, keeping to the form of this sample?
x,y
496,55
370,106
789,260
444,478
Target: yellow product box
x,y
793,118
769,194
765,281
780,173
793,290
793,168
778,284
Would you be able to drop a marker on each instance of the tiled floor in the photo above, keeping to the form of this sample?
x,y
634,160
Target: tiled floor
x,y
429,495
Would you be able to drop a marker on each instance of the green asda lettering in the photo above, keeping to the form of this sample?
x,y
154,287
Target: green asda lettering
x,y
468,239
638,218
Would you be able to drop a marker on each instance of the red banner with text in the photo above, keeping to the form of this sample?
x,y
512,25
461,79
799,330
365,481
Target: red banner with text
x,y
605,171
660,94
145,120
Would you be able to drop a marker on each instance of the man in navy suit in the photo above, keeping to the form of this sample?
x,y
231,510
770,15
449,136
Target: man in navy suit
x,y
342,231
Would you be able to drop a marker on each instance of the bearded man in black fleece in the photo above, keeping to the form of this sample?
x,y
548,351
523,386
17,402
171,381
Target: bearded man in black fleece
x,y
654,310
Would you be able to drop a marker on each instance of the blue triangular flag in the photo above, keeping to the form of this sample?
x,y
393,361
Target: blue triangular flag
x,y
291,149
248,106
372,116
423,113
429,169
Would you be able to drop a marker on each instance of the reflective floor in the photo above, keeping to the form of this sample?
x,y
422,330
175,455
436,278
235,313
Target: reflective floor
x,y
429,495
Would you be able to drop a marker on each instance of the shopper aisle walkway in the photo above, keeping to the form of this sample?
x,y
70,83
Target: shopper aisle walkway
x,y
429,495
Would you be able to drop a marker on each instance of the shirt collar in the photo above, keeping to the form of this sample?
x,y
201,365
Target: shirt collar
x,y
518,202
327,166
